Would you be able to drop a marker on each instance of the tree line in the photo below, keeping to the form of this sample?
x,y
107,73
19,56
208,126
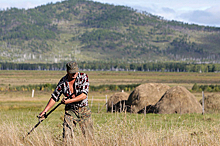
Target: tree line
x,y
126,88
116,66
51,87
208,88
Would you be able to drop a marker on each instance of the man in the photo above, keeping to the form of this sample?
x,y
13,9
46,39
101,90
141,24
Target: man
x,y
75,87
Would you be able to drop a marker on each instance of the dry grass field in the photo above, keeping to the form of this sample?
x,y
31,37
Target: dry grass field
x,y
14,78
18,112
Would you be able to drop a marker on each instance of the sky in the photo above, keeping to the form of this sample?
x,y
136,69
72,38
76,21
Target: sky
x,y
201,12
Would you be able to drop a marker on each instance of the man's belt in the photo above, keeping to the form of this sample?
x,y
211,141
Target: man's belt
x,y
72,106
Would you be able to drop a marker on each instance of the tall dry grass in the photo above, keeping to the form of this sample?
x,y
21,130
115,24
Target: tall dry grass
x,y
114,132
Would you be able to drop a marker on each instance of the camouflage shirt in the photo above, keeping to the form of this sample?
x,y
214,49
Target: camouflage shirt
x,y
81,85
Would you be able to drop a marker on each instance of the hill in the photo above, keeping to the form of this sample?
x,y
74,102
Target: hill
x,y
84,30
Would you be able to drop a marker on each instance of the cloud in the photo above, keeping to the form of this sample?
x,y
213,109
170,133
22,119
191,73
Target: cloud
x,y
197,12
167,10
24,3
208,17
214,9
201,16
196,15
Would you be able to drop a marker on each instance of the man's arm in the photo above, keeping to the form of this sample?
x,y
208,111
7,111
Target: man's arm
x,y
78,98
50,104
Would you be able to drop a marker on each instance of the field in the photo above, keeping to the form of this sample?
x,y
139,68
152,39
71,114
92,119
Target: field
x,y
18,111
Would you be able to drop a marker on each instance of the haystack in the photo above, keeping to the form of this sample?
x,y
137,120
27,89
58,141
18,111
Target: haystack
x,y
178,100
211,103
145,95
115,99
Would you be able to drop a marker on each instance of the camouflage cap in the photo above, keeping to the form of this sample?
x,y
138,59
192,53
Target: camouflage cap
x,y
72,67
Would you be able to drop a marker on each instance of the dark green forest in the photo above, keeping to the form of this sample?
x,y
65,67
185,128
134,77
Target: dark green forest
x,y
51,87
103,66
84,30
208,88
129,87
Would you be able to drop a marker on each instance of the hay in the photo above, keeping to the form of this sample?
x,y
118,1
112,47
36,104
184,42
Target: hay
x,y
178,100
211,103
115,100
145,95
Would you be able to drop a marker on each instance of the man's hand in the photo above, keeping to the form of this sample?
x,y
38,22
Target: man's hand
x,y
63,101
41,116
67,100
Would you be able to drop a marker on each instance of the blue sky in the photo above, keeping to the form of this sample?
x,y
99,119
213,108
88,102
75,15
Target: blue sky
x,y
203,12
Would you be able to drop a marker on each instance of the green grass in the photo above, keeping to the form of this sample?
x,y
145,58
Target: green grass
x,y
118,128
18,116
27,110
18,111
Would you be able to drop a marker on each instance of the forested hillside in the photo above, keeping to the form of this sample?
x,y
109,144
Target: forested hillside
x,y
89,31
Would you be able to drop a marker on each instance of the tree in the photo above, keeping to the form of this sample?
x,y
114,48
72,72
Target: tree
x,y
195,87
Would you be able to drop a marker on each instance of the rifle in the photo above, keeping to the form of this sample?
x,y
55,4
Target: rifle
x,y
41,120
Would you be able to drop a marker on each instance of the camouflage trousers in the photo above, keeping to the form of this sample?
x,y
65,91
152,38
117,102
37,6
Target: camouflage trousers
x,y
82,116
